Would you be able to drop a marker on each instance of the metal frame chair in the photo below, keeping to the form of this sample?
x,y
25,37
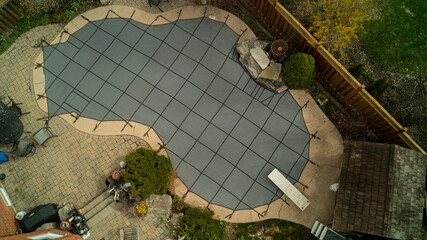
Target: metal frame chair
x,y
15,108
42,135
23,148
155,3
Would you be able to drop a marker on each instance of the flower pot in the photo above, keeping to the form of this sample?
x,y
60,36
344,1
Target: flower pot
x,y
139,209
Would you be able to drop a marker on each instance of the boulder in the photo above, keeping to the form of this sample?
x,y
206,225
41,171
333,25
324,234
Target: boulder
x,y
253,67
174,221
63,212
272,72
105,2
246,58
260,57
161,205
266,83
243,48
260,44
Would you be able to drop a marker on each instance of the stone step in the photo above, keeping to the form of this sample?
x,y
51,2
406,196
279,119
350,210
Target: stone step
x,y
95,202
101,215
98,208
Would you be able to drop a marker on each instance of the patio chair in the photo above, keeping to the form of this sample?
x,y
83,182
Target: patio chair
x,y
23,148
13,106
42,135
155,3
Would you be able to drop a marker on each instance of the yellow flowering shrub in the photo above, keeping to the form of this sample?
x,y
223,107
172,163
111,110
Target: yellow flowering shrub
x,y
335,23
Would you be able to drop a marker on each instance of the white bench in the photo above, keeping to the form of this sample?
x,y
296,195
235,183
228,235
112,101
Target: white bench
x,y
288,189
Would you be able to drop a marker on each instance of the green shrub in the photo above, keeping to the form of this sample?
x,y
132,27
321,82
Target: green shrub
x,y
197,224
357,70
299,70
42,6
378,87
35,7
26,22
36,13
147,172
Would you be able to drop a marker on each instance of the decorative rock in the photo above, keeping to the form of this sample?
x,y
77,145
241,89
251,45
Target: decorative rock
x,y
266,83
105,2
253,67
174,221
243,48
260,44
161,205
63,212
246,58
260,57
272,72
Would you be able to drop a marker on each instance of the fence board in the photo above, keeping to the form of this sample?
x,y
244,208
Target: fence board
x,y
9,15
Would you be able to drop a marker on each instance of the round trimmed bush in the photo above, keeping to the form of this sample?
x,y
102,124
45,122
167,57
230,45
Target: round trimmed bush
x,y
147,172
197,224
299,70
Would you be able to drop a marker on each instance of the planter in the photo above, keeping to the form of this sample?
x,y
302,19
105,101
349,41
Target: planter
x,y
139,209
278,49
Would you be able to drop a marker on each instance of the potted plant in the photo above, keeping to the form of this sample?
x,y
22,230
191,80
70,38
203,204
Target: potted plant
x,y
139,209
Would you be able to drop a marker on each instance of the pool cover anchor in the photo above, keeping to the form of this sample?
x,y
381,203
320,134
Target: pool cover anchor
x,y
314,136
126,124
162,146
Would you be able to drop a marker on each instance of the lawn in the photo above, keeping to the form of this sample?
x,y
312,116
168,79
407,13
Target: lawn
x,y
396,36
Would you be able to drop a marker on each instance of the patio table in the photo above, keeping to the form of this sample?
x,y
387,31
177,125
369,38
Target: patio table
x,y
11,127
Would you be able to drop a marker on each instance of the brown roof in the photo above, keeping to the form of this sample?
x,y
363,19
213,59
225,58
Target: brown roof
x,y
8,224
381,190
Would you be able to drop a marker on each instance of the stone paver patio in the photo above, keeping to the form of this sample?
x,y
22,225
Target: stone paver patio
x,y
73,166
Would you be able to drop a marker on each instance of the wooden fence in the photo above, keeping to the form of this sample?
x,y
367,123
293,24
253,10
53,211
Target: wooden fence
x,y
346,87
9,15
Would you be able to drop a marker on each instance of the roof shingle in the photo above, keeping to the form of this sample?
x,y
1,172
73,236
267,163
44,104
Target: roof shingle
x,y
381,190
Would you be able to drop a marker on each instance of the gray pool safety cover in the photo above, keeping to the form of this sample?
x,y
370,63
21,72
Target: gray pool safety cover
x,y
224,132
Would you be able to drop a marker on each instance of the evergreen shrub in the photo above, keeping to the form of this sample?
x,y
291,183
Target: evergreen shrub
x,y
147,172
378,87
299,70
198,224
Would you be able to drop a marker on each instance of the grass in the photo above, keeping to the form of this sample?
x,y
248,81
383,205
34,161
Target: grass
x,y
397,36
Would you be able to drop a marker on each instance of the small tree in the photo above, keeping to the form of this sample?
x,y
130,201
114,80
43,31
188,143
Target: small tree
x,y
197,224
336,22
299,70
147,172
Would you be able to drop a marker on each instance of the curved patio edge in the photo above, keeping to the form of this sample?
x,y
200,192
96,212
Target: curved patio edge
x,y
326,151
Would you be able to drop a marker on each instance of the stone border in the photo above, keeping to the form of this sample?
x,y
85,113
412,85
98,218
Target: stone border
x,y
326,152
